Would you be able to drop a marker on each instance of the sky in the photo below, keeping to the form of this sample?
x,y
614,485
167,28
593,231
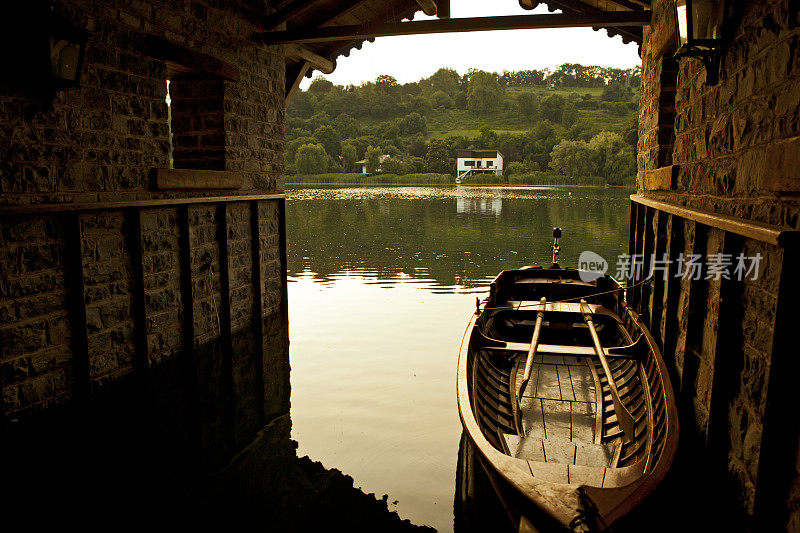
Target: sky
x,y
410,58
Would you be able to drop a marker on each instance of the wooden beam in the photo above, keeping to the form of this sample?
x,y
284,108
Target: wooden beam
x,y
627,4
318,62
514,22
768,233
182,60
443,9
288,12
293,80
577,6
428,7
30,209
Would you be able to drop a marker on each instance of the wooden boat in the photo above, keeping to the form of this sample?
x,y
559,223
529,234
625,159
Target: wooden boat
x,y
564,395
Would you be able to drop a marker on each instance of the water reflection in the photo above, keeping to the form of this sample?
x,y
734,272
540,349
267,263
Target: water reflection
x,y
382,281
457,237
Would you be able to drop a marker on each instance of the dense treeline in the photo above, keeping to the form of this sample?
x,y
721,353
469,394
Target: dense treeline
x,y
577,122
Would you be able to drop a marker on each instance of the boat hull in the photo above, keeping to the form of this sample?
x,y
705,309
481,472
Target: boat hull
x,y
513,424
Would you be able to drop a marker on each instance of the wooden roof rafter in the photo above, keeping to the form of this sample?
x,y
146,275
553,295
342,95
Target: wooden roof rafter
x,y
288,11
513,22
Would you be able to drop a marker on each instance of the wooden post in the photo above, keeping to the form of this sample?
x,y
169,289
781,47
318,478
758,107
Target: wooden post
x,y
779,446
188,355
77,303
226,342
134,243
258,310
293,80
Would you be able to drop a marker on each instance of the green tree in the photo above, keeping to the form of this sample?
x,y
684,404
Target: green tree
x,y
613,157
487,138
311,159
320,86
396,165
348,155
573,159
385,83
515,168
569,114
294,145
441,99
346,126
484,92
631,134
616,92
438,159
373,159
552,107
446,80
528,104
327,137
413,123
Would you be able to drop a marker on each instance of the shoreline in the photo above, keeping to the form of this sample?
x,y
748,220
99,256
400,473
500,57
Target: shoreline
x,y
453,184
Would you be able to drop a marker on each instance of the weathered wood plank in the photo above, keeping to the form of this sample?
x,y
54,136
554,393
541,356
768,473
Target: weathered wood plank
x,y
586,475
583,421
532,418
565,383
557,419
559,451
530,388
552,472
547,384
590,454
582,383
552,359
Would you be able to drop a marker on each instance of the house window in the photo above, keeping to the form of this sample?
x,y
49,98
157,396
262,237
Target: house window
x,y
196,125
469,163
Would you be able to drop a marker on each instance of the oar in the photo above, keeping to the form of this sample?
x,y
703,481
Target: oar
x,y
526,375
624,417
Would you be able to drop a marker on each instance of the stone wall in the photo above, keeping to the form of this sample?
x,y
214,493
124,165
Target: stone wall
x,y
730,149
172,305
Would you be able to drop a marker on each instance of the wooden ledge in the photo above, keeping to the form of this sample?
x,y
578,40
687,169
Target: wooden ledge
x,y
191,179
768,233
41,209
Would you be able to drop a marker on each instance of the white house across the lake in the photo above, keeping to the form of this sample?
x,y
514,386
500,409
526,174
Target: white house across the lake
x,y
363,163
479,162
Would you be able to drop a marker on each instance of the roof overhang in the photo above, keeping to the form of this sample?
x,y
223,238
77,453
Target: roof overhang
x,y
316,32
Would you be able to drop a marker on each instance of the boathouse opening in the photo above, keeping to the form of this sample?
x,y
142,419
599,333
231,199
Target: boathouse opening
x,y
143,305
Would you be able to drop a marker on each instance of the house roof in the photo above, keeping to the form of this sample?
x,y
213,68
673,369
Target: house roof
x,y
478,154
381,159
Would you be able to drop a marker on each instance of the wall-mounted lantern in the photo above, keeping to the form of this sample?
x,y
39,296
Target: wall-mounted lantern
x,y
699,33
67,45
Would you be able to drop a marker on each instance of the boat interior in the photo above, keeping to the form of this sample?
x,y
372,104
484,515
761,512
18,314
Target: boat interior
x,y
559,412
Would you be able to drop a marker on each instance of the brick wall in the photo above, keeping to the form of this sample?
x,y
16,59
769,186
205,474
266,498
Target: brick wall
x,y
735,153
136,299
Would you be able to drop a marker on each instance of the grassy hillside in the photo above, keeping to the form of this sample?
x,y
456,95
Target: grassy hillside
x,y
585,132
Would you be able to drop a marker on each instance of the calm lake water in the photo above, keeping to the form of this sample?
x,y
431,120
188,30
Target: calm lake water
x,y
382,281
